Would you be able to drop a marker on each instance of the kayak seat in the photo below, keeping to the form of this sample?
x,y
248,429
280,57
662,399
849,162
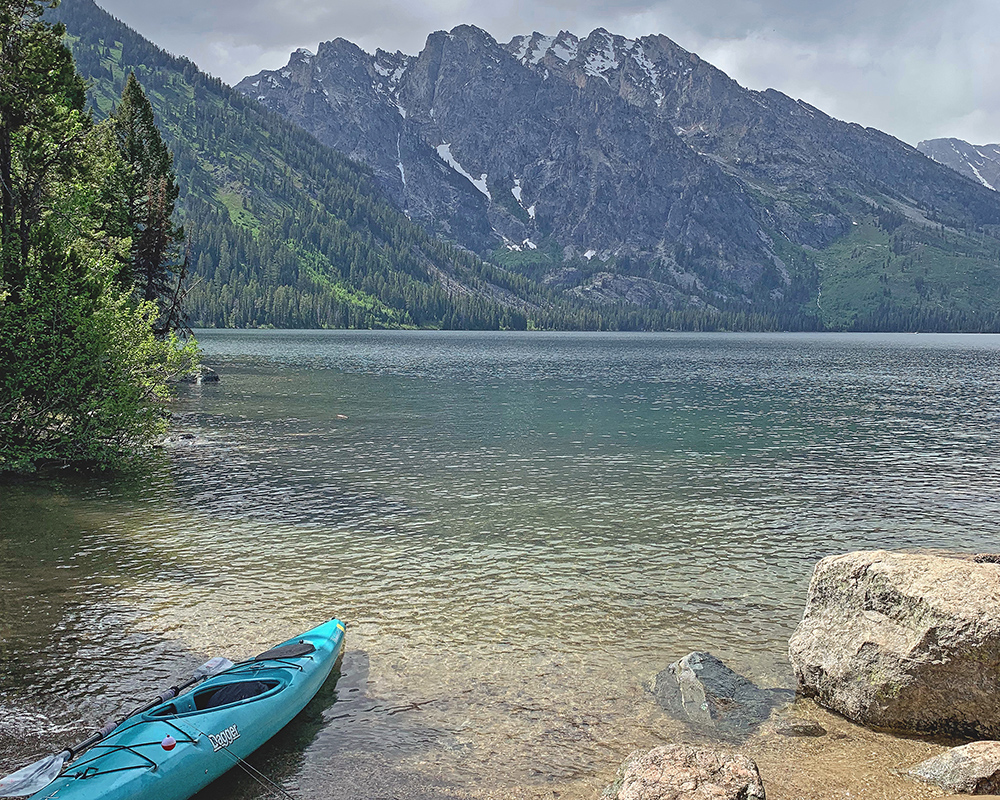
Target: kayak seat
x,y
232,693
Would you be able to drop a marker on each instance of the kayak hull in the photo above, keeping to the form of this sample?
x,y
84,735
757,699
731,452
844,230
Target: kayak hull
x,y
134,762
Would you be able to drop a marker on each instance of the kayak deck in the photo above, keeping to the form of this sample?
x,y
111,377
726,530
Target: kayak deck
x,y
180,746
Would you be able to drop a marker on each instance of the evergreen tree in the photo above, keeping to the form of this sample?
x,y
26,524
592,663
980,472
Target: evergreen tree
x,y
42,129
147,190
82,376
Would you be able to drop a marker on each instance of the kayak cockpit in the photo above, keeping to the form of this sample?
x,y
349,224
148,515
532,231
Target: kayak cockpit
x,y
220,695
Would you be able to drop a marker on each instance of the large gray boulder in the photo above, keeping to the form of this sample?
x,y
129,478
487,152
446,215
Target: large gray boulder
x,y
902,641
701,690
679,772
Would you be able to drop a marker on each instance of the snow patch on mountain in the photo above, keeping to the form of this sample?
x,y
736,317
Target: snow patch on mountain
x,y
982,180
533,49
980,163
444,152
539,48
399,158
600,55
602,61
638,53
566,47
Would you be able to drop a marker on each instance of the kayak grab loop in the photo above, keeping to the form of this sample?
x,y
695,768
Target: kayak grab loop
x,y
91,770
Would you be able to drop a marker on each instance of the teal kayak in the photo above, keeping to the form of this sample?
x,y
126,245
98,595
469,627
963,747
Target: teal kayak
x,y
179,746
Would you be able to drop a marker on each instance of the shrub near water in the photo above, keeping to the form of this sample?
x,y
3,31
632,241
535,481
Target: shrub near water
x,y
83,375
83,378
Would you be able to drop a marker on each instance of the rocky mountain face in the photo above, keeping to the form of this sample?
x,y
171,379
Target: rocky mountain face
x,y
622,170
494,147
980,162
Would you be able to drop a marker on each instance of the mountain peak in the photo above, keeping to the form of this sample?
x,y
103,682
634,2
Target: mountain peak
x,y
638,151
980,163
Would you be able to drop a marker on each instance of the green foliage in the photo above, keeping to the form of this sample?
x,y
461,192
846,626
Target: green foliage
x,y
146,190
42,126
890,273
82,376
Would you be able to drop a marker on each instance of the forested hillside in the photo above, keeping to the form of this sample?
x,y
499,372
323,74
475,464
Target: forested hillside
x,y
283,231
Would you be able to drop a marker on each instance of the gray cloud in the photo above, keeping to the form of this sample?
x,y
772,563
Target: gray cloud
x,y
915,68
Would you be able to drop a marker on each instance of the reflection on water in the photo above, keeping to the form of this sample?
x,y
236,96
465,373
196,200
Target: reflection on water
x,y
521,530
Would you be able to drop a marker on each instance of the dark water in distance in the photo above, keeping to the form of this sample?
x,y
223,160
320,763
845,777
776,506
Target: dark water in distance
x,y
520,529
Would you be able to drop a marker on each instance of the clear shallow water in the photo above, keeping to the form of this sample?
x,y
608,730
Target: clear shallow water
x,y
520,529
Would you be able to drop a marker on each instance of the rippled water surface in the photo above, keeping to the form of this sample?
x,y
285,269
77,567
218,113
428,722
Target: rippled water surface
x,y
521,530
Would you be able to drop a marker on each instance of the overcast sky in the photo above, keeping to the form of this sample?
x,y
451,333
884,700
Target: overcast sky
x,y
918,69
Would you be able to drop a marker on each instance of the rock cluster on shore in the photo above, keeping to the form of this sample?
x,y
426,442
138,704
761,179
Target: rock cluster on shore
x,y
901,642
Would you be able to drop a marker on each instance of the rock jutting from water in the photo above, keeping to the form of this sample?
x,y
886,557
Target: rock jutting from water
x,y
701,690
905,642
971,769
680,772
202,375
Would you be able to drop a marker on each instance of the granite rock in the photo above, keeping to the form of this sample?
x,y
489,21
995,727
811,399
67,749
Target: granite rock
x,y
907,642
680,772
702,690
971,769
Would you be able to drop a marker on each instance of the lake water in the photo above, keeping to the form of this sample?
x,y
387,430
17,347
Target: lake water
x,y
520,530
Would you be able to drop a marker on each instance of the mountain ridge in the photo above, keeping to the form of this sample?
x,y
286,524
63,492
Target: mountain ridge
x,y
285,232
611,216
555,155
967,159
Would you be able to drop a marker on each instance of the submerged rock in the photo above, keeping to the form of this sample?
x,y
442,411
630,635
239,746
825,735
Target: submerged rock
x,y
800,729
905,642
679,772
971,769
202,375
702,690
